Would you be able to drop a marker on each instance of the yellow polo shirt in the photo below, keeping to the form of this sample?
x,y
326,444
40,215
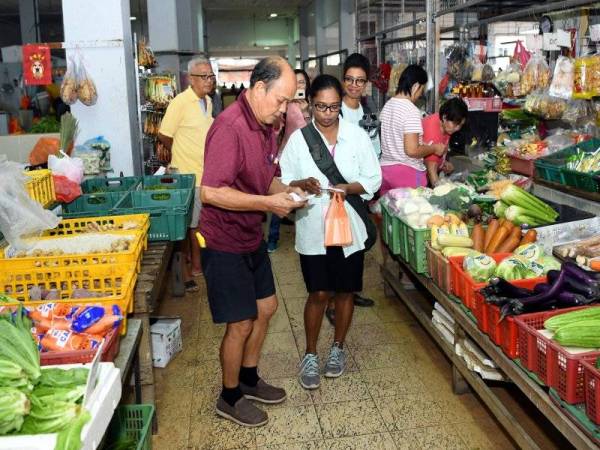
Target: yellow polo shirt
x,y
187,124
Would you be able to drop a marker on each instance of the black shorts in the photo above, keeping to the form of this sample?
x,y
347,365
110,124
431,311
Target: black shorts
x,y
236,281
333,272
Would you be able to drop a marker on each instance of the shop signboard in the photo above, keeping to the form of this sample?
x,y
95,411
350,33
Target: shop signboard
x,y
37,64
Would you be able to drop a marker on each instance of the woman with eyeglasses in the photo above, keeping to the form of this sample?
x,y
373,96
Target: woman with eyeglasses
x,y
402,147
329,271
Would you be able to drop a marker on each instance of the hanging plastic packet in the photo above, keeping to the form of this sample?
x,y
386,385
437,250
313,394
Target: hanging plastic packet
x,y
562,81
68,88
86,88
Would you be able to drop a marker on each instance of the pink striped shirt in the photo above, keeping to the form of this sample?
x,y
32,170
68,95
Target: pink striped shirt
x,y
398,117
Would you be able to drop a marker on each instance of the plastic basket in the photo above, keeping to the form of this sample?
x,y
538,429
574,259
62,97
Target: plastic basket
x,y
132,422
114,282
171,181
40,186
557,162
416,255
591,377
169,211
439,268
464,287
522,166
555,366
109,353
391,232
91,205
504,333
480,312
125,260
100,185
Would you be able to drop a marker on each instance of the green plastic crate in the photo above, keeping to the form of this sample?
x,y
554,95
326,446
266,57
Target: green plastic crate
x,y
171,181
90,205
169,210
392,232
552,168
102,184
416,253
132,423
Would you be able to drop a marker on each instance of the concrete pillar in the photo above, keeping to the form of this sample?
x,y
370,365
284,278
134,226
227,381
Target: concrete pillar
x,y
291,44
112,68
29,21
320,35
347,26
304,17
202,47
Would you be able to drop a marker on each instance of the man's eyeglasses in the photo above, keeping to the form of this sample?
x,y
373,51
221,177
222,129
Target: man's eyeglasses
x,y
360,82
204,76
322,107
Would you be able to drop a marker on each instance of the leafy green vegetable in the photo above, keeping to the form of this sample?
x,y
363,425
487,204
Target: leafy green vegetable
x,y
47,124
514,268
49,417
480,267
49,394
531,211
9,370
17,344
456,200
55,377
13,406
70,437
549,263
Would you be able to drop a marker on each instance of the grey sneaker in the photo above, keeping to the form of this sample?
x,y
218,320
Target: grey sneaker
x,y
336,363
243,413
309,372
263,392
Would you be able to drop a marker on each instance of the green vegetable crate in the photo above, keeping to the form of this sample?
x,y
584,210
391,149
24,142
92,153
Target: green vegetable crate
x,y
92,205
169,211
130,428
553,168
175,181
391,233
117,184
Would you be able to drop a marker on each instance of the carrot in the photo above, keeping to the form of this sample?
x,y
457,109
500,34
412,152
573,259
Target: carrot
x,y
501,221
497,239
595,265
529,238
509,226
104,325
509,245
491,230
60,340
478,237
516,233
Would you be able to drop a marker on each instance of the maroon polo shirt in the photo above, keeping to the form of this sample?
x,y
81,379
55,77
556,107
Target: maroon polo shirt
x,y
240,153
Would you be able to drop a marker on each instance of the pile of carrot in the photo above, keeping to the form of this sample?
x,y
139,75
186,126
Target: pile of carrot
x,y
501,236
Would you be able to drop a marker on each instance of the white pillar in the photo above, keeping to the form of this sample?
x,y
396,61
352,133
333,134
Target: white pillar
x,y
291,47
320,36
201,27
304,27
29,21
112,68
347,26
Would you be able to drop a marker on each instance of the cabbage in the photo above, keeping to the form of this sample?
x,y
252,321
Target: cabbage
x,y
515,268
480,267
532,252
549,263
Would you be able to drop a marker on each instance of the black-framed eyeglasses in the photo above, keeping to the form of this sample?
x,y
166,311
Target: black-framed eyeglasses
x,y
322,107
204,76
360,82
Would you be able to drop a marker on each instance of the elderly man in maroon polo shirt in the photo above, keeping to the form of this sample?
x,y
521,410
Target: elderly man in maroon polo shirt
x,y
238,188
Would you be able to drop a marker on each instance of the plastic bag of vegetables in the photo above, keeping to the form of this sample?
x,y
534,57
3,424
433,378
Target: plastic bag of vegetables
x,y
86,88
480,267
68,88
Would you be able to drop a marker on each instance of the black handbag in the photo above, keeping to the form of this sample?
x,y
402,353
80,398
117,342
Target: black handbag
x,y
326,164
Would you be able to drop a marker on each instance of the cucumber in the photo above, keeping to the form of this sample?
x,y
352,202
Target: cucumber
x,y
560,320
585,333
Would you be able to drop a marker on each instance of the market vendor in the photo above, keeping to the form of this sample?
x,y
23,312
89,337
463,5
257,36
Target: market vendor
x,y
238,187
437,129
183,131
402,147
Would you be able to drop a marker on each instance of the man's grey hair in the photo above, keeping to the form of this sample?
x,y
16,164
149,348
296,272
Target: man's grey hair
x,y
267,70
196,62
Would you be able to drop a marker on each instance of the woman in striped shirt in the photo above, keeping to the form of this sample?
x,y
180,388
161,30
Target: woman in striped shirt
x,y
402,148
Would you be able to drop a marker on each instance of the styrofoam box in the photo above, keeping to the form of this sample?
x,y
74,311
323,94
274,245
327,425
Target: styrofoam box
x,y
12,54
102,403
562,233
166,341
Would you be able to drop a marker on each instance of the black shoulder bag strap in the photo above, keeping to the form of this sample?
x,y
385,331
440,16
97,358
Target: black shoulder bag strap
x,y
326,164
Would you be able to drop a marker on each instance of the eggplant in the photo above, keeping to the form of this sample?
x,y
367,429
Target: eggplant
x,y
507,289
590,291
581,275
540,288
567,299
545,297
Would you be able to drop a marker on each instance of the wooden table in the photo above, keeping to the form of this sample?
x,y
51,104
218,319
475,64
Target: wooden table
x,y
463,377
128,358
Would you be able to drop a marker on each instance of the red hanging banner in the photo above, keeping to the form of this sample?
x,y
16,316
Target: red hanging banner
x,y
37,64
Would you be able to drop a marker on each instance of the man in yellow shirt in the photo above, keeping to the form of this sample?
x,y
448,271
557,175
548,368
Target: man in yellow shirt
x,y
183,131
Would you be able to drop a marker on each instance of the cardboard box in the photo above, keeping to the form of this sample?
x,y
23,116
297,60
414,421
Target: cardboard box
x,y
166,340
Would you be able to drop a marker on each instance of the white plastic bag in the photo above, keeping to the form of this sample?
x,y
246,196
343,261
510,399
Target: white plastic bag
x,y
20,216
72,168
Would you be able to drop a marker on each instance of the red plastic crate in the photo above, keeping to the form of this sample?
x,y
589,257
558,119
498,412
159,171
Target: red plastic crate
x,y
523,166
438,268
480,311
465,288
591,377
110,352
502,333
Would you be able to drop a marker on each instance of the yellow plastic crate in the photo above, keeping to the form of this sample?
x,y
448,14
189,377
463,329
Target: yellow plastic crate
x,y
82,225
115,283
130,259
40,186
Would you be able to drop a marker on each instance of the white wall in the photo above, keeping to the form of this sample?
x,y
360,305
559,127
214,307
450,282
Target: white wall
x,y
239,32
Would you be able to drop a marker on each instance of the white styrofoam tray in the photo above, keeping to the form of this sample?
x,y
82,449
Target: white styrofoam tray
x,y
562,233
102,403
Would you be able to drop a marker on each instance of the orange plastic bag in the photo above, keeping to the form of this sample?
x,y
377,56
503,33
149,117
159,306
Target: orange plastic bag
x,y
43,148
337,224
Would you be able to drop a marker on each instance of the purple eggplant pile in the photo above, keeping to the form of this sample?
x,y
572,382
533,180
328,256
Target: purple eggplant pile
x,y
567,287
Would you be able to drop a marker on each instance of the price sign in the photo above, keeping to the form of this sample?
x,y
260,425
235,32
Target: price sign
x,y
550,42
563,38
93,375
595,32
